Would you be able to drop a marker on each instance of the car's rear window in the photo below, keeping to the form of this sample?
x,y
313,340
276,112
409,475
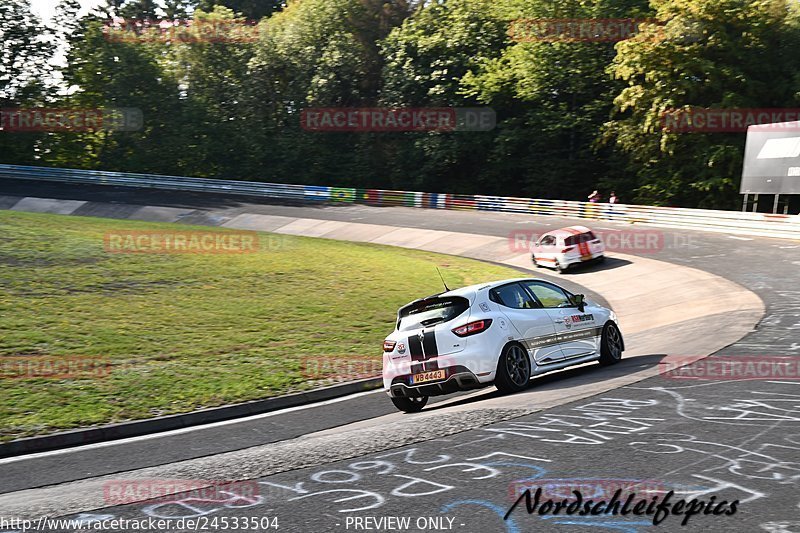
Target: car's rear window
x,y
577,239
431,311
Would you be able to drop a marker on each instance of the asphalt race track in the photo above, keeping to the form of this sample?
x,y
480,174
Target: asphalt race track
x,y
323,467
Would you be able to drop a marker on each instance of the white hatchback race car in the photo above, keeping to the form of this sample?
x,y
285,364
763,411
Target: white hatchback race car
x,y
500,333
567,246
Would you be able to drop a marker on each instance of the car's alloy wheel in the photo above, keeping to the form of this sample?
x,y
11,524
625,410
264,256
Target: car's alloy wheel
x,y
410,404
610,345
560,268
513,369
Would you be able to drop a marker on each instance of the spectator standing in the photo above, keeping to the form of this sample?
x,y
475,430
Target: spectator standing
x,y
594,197
612,202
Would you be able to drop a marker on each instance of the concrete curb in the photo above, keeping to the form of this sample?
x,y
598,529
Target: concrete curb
x,y
137,428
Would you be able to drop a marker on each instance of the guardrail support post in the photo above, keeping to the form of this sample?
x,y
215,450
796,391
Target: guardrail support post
x,y
755,203
775,204
744,202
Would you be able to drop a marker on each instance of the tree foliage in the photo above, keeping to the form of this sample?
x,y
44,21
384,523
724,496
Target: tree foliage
x,y
25,50
572,115
713,54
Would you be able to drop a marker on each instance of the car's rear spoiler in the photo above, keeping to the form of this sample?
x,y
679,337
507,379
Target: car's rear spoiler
x,y
432,298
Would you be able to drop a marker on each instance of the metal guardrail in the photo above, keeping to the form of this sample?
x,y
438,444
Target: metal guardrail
x,y
758,224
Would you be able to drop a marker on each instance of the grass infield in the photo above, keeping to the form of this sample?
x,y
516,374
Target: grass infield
x,y
90,337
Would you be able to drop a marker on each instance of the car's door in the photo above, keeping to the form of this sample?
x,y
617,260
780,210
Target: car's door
x,y
534,324
545,249
577,331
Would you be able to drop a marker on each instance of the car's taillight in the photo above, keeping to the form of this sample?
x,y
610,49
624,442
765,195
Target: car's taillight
x,y
565,250
473,327
388,346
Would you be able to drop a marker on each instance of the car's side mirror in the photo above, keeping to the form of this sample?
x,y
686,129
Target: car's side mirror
x,y
579,300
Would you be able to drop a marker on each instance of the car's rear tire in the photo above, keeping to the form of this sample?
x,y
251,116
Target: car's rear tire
x,y
513,369
611,345
411,404
561,269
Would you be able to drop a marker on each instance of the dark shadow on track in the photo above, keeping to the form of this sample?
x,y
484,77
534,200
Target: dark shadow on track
x,y
608,263
559,379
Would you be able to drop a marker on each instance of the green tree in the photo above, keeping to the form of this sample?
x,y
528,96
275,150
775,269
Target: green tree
x,y
25,51
319,53
139,10
426,61
216,122
252,10
554,95
713,54
104,73
178,9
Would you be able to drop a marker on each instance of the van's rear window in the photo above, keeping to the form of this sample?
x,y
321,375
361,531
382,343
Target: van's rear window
x,y
577,239
431,311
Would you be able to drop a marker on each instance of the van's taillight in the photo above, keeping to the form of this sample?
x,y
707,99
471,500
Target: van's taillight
x,y
388,346
565,250
473,327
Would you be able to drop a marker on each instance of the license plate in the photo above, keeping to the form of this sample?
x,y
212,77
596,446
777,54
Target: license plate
x,y
428,376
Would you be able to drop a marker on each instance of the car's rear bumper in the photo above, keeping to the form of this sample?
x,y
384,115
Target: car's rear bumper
x,y
577,259
458,378
566,260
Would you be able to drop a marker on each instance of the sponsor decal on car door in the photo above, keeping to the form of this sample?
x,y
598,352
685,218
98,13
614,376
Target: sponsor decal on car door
x,y
578,332
538,333
575,330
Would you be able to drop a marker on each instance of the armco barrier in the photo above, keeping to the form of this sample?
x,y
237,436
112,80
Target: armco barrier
x,y
760,224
